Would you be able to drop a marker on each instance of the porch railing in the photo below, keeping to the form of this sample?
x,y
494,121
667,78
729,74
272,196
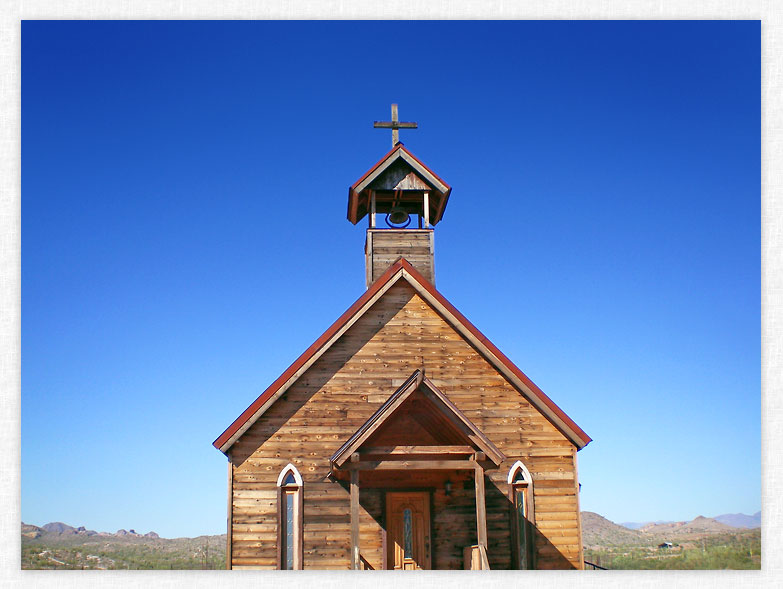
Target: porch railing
x,y
591,566
476,558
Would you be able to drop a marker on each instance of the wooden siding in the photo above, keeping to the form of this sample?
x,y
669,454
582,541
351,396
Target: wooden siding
x,y
341,390
384,246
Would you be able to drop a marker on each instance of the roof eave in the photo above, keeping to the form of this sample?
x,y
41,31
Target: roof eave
x,y
417,382
312,353
397,152
403,269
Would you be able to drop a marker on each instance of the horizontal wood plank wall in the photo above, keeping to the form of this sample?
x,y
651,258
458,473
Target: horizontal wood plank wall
x,y
453,525
341,391
384,246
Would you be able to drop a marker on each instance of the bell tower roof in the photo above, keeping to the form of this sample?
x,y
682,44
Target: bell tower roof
x,y
398,179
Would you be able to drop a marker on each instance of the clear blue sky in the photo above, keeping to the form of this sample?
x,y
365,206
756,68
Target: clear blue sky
x,y
184,188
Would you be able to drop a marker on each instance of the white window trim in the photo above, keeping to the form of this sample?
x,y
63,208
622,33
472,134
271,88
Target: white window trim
x,y
529,525
297,489
283,473
513,471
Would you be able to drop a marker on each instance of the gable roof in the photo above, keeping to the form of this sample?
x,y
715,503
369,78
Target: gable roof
x,y
402,270
418,382
358,193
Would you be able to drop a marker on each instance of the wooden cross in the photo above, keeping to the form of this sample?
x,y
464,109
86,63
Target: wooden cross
x,y
395,125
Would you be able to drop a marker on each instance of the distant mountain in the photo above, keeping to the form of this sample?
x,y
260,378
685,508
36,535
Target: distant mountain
x,y
61,529
698,525
740,520
66,530
637,525
135,534
30,531
58,528
599,531
735,520
67,547
81,530
704,524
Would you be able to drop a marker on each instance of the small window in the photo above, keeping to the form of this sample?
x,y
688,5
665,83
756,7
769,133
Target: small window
x,y
407,534
520,491
289,512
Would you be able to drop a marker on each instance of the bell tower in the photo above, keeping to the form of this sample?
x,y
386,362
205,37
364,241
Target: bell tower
x,y
403,200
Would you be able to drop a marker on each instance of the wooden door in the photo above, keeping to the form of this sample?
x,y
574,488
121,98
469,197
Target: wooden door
x,y
408,530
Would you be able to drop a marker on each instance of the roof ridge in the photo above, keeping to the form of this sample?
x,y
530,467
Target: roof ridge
x,y
404,268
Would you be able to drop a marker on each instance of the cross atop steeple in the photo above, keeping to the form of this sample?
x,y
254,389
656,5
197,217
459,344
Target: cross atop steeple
x,y
395,125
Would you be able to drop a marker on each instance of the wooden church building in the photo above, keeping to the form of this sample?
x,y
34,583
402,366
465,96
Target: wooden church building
x,y
402,438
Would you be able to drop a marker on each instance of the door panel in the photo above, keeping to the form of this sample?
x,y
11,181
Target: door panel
x,y
408,530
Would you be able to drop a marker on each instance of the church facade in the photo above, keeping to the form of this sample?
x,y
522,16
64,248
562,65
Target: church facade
x,y
402,438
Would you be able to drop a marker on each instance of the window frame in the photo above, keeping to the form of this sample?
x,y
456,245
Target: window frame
x,y
528,521
283,491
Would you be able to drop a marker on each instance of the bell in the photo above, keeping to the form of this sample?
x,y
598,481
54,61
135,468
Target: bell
x,y
398,216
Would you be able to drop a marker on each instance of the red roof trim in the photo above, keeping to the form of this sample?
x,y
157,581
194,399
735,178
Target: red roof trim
x,y
500,355
306,355
353,196
423,165
399,146
379,162
400,264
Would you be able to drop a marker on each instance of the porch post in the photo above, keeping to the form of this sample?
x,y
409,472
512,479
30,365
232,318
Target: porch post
x,y
481,506
355,513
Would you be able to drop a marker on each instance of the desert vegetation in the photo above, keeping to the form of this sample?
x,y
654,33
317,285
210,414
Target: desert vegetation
x,y
42,549
702,543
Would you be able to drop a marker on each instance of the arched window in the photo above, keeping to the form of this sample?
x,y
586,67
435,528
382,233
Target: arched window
x,y
289,518
520,495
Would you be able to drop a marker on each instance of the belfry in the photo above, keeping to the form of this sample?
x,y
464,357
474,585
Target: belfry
x,y
402,438
397,188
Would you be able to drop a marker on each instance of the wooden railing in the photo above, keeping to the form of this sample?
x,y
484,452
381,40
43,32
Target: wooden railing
x,y
476,558
591,566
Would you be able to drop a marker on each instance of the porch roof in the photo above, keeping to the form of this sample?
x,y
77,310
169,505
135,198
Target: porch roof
x,y
448,431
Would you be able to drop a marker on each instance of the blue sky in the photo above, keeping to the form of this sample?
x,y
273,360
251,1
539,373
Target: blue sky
x,y
184,187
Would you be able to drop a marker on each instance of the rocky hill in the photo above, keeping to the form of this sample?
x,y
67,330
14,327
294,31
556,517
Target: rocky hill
x,y
734,520
637,525
702,543
29,531
59,529
59,546
695,526
599,531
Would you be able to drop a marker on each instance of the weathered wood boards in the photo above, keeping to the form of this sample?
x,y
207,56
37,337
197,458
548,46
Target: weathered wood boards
x,y
395,124
384,246
340,391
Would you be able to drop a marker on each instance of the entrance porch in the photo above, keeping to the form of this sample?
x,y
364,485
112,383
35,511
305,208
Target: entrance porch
x,y
423,463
